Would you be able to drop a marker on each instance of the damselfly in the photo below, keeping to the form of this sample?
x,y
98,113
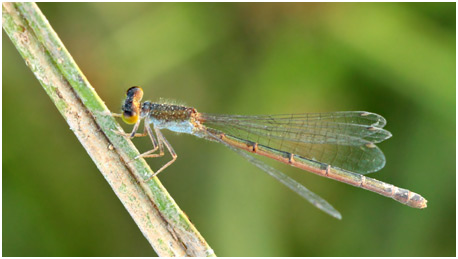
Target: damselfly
x,y
338,145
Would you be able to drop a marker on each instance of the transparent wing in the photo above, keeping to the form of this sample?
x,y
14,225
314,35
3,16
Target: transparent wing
x,y
311,197
341,139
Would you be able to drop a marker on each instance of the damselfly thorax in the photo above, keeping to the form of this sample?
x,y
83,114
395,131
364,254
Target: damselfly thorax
x,y
338,145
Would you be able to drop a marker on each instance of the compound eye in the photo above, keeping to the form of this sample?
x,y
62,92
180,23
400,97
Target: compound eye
x,y
130,117
135,93
131,107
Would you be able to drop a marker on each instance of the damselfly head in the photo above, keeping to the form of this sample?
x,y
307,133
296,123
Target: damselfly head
x,y
131,106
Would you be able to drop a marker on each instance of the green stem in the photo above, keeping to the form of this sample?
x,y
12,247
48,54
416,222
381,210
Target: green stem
x,y
161,221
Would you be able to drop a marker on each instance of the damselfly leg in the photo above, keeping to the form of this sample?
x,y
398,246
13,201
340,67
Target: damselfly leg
x,y
134,133
162,141
157,143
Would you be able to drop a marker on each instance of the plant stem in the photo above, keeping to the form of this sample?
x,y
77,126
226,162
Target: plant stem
x,y
161,221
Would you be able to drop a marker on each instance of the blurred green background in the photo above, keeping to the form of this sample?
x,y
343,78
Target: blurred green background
x,y
397,60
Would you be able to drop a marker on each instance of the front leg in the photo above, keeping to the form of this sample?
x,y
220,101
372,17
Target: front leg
x,y
134,133
129,135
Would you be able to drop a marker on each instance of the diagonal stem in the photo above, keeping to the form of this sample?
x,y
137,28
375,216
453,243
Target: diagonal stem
x,y
161,221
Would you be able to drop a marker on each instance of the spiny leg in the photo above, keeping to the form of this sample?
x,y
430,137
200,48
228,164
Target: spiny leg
x,y
134,130
156,144
146,131
163,140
